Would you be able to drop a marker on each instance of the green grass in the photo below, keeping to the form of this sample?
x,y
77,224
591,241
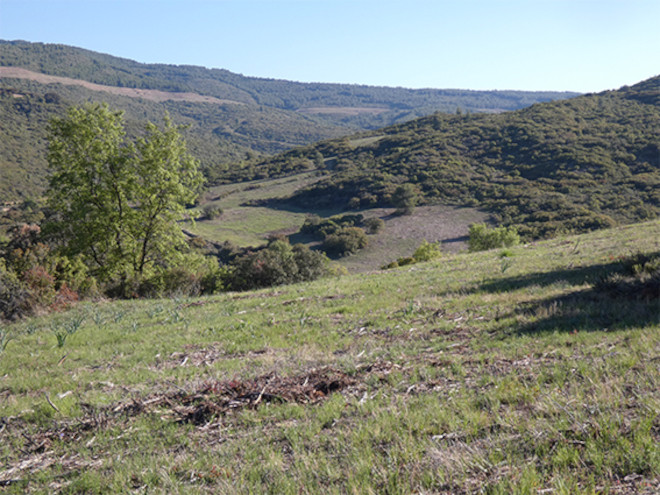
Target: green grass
x,y
454,376
252,225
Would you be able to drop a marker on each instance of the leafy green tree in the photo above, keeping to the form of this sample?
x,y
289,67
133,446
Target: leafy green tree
x,y
117,202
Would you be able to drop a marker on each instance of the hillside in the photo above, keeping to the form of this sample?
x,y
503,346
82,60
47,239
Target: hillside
x,y
217,134
329,101
574,165
231,117
531,373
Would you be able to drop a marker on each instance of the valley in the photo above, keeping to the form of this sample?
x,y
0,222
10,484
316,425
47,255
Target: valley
x,y
287,288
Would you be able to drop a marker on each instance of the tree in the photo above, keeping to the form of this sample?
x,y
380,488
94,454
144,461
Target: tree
x,y
117,202
404,199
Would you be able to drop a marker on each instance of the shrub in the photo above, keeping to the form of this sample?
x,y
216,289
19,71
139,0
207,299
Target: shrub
x,y
41,285
373,225
482,238
427,251
404,199
345,241
212,212
324,227
15,298
638,278
279,263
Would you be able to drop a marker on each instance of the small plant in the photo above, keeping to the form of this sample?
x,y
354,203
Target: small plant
x,y
4,339
68,328
482,238
119,315
97,317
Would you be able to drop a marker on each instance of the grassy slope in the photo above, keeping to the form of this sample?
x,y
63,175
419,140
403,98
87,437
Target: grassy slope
x,y
246,225
474,373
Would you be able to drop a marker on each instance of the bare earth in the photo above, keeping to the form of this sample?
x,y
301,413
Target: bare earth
x,y
403,234
351,111
147,94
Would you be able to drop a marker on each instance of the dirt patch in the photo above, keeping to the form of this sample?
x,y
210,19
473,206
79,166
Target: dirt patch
x,y
403,234
343,111
147,94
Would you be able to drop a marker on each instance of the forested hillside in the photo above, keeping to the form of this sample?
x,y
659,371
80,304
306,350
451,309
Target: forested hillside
x,y
400,102
234,118
574,165
216,134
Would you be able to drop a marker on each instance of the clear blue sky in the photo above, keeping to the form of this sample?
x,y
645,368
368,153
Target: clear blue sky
x,y
580,45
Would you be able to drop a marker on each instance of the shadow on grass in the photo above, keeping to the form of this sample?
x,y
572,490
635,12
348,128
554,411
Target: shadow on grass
x,y
574,276
589,310
616,299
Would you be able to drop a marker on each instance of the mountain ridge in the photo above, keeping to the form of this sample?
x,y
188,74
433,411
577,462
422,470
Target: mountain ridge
x,y
267,121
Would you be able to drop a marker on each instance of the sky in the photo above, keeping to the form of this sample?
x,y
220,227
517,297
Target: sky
x,y
558,45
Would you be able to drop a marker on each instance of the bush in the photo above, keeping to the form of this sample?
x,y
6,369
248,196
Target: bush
x,y
15,298
405,198
347,240
212,212
279,263
482,238
427,251
373,225
323,228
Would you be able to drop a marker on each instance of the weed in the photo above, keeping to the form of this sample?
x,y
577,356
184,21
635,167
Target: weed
x,y
4,339
505,264
64,330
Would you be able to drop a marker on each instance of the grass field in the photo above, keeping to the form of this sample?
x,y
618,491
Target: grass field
x,y
252,225
492,372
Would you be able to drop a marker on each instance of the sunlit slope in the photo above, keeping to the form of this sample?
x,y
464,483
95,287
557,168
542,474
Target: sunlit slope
x,y
533,371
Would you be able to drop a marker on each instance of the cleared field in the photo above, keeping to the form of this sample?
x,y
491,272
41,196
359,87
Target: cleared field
x,y
147,94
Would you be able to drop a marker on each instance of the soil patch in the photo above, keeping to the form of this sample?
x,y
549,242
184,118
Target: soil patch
x,y
147,94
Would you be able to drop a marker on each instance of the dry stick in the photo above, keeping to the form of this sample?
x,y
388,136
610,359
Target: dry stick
x,y
51,404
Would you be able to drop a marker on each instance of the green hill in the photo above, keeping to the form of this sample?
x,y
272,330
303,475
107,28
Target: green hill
x,y
534,373
313,98
574,165
231,118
